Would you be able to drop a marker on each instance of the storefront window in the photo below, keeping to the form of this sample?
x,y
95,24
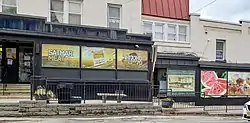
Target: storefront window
x,y
181,80
225,84
213,83
132,59
98,57
66,56
238,84
177,81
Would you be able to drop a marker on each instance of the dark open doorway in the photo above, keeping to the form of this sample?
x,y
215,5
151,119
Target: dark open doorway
x,y
16,62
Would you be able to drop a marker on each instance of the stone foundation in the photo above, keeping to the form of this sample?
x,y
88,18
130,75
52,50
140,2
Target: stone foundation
x,y
41,108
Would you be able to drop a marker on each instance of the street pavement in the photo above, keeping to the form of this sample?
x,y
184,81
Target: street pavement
x,y
132,119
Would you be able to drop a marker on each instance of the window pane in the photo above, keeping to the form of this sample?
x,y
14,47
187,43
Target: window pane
x,y
9,2
114,23
56,17
172,29
75,19
183,30
147,27
114,12
11,10
219,45
75,7
56,5
159,36
159,28
182,37
172,37
219,55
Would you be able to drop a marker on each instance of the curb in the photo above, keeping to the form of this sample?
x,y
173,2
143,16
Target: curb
x,y
223,115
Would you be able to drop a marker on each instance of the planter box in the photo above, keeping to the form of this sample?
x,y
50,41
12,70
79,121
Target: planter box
x,y
167,104
43,97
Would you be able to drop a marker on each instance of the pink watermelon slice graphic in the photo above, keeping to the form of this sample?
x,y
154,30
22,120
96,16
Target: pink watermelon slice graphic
x,y
214,86
208,77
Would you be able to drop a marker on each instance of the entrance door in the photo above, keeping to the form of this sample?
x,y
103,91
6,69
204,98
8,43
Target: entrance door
x,y
10,63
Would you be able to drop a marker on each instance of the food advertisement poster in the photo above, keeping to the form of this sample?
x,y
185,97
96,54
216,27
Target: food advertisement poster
x,y
181,80
213,83
97,57
54,55
238,83
132,59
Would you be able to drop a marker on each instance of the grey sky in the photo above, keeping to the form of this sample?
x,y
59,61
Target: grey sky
x,y
226,10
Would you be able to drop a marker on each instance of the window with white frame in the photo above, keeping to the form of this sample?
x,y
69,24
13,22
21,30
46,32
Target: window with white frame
x,y
9,6
171,32
75,12
220,49
147,27
66,11
159,31
166,31
182,33
114,16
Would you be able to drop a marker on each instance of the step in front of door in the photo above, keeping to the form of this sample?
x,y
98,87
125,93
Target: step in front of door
x,y
14,91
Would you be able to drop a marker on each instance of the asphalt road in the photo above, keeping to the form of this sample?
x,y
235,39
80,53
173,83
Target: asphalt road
x,y
151,119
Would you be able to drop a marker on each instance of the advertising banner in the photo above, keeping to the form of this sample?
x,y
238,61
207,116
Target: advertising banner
x,y
213,83
97,57
132,59
181,80
55,55
238,84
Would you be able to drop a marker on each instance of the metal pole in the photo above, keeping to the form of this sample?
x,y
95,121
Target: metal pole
x,y
84,92
204,106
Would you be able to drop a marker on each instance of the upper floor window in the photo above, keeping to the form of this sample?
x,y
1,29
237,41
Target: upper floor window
x,y
159,31
114,16
166,31
147,27
182,33
171,32
9,6
220,49
66,11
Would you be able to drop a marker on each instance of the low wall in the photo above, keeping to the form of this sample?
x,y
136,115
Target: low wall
x,y
40,108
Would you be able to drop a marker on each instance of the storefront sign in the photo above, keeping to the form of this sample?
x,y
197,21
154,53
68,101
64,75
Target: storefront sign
x,y
181,80
96,57
132,59
54,55
238,84
213,83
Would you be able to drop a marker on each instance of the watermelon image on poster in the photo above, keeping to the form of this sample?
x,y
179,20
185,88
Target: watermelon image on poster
x,y
212,85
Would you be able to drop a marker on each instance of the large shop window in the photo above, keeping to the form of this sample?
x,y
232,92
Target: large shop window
x,y
97,57
68,56
225,84
178,81
132,59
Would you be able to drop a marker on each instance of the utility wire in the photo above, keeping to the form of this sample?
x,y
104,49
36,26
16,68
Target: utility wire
x,y
205,6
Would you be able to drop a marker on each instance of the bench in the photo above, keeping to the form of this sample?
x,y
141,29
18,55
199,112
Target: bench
x,y
116,94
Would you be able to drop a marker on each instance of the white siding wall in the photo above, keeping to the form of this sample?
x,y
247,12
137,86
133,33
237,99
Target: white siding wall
x,y
33,7
94,12
236,35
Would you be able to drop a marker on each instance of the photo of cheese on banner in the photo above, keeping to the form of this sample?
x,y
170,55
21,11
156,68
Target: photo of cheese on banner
x,y
98,57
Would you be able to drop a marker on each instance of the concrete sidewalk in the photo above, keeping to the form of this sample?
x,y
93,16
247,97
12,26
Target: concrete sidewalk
x,y
201,111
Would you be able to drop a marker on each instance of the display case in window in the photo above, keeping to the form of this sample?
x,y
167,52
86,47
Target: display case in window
x,y
25,63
